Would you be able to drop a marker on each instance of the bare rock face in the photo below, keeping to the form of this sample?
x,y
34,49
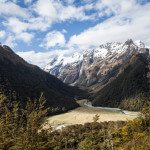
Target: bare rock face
x,y
96,66
66,68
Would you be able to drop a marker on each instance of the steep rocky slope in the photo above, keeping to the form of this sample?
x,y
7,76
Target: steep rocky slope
x,y
94,67
131,82
25,80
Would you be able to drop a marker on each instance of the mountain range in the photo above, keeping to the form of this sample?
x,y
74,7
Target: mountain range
x,y
113,75
95,65
111,72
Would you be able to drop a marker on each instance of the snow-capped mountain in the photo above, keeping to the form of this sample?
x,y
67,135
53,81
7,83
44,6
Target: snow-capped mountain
x,y
99,65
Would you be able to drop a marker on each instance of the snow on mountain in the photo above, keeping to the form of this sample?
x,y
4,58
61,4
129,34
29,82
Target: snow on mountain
x,y
63,60
139,43
94,65
100,53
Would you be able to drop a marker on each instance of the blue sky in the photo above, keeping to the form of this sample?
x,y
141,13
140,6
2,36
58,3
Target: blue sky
x,y
38,30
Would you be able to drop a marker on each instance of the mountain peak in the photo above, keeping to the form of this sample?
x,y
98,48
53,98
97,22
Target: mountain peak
x,y
140,44
129,42
8,48
5,47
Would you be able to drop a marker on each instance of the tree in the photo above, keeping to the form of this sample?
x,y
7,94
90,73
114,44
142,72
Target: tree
x,y
96,118
85,145
21,128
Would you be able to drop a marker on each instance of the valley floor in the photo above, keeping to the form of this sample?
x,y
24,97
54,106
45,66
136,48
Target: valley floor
x,y
85,114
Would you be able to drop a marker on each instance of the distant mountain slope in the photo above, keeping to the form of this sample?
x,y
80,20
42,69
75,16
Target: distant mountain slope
x,y
94,66
130,82
26,80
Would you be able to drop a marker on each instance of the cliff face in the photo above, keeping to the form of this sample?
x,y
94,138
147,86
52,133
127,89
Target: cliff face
x,y
29,81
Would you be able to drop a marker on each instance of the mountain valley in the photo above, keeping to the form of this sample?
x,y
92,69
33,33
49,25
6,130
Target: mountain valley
x,y
91,106
112,73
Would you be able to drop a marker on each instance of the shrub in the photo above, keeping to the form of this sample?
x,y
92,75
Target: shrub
x,y
20,128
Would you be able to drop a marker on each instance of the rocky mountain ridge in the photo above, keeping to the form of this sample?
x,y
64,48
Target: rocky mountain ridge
x,y
94,66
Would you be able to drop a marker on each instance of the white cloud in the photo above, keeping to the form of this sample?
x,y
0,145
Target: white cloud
x,y
20,22
54,38
10,41
39,23
130,22
2,34
46,8
116,6
37,58
56,11
46,12
25,37
64,31
28,1
15,25
42,58
74,13
19,29
10,8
